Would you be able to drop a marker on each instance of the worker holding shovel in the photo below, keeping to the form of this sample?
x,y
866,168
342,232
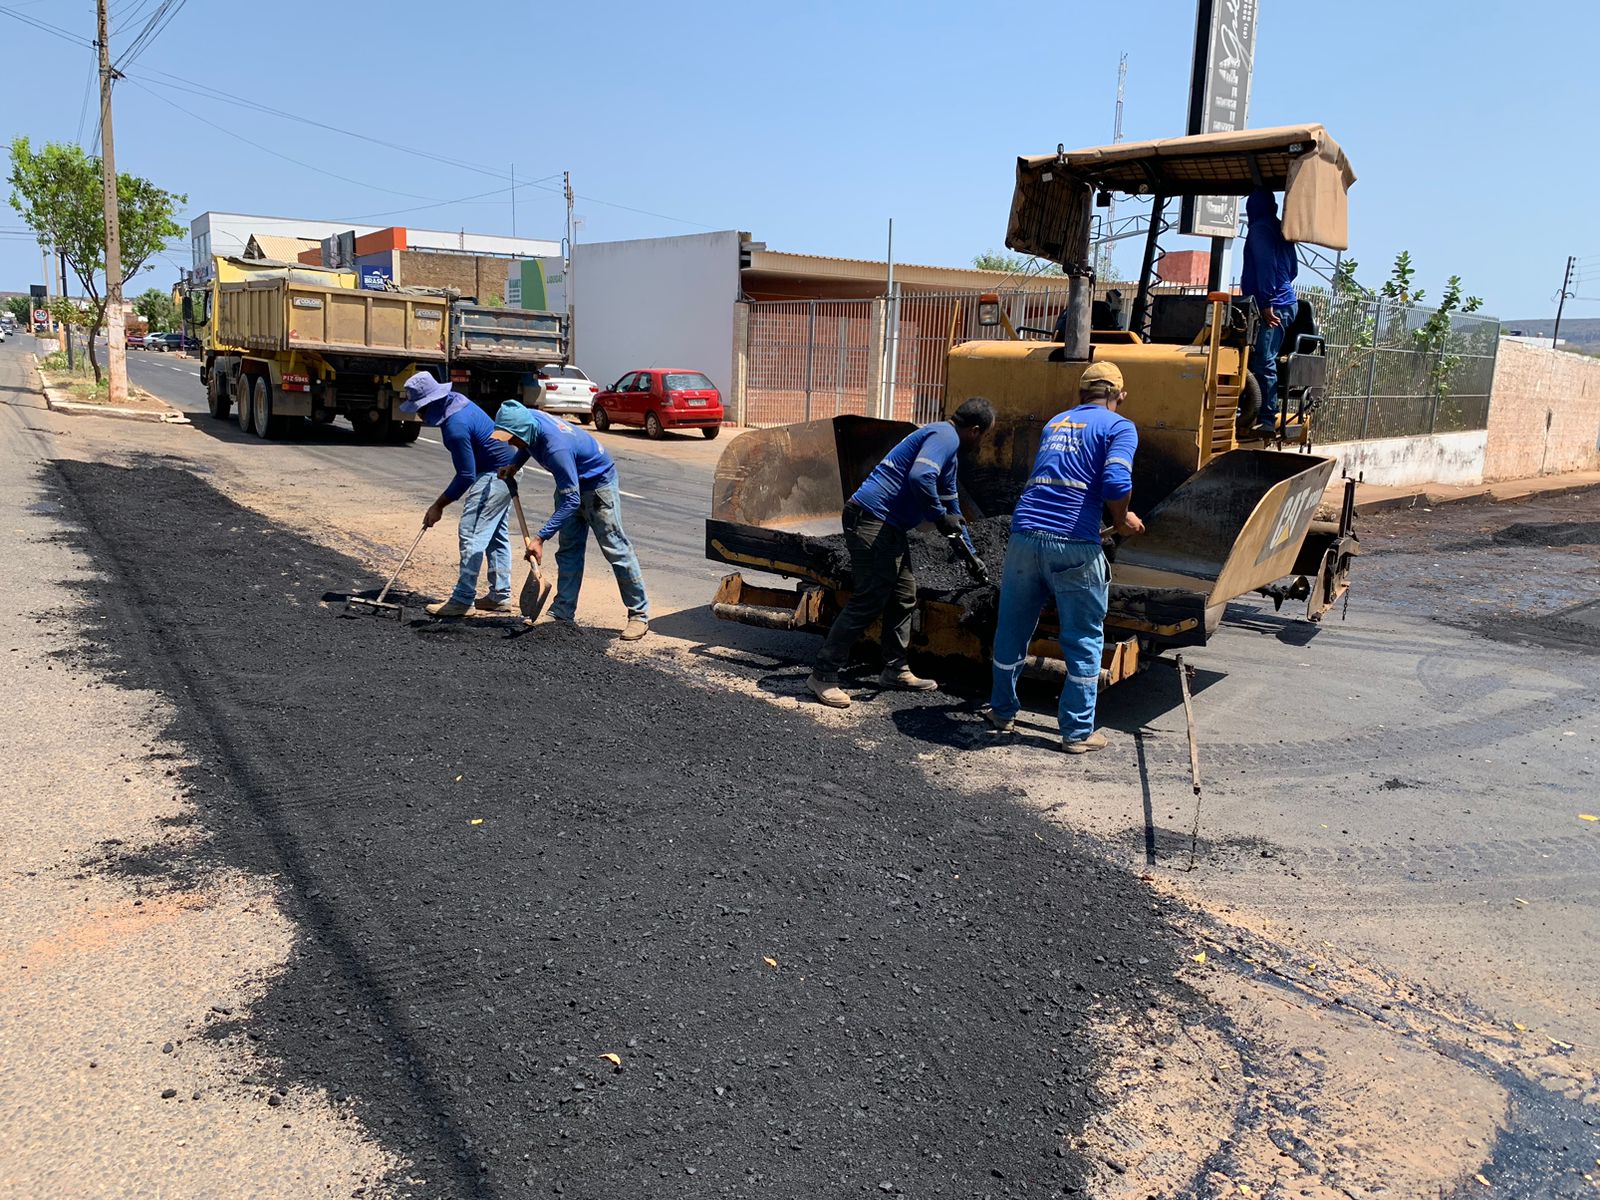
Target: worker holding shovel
x,y
587,500
485,498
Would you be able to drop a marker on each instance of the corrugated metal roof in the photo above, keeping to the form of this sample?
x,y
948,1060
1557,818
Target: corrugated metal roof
x,y
780,262
284,249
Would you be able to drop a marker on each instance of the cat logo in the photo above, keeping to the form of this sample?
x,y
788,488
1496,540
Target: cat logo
x,y
1295,516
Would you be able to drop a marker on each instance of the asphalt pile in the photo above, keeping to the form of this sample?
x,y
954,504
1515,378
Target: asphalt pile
x,y
573,924
941,572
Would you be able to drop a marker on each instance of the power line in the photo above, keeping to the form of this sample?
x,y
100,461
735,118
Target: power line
x,y
153,29
276,154
396,212
55,30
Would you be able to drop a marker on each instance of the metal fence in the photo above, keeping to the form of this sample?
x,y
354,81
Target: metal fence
x,y
809,359
1388,376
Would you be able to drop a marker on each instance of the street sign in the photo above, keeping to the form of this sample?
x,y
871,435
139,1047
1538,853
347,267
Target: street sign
x,y
40,317
1219,99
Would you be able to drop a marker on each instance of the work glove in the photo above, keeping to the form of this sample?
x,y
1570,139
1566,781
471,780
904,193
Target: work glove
x,y
980,572
951,524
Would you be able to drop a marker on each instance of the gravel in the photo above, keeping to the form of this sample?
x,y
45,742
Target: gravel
x,y
820,971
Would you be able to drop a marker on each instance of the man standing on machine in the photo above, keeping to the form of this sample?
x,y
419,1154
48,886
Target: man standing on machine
x,y
1270,265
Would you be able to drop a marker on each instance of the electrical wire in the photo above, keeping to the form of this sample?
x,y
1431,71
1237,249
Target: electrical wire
x,y
276,154
153,28
54,30
396,212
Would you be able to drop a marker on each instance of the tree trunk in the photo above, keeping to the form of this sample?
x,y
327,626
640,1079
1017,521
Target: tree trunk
x,y
94,331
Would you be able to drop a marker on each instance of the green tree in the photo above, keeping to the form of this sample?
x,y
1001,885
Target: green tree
x,y
1014,264
58,192
20,307
157,307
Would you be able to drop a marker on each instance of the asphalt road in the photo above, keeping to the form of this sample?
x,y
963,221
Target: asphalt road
x,y
666,486
1392,818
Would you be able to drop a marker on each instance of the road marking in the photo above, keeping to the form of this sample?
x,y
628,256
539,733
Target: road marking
x,y
629,495
174,368
429,440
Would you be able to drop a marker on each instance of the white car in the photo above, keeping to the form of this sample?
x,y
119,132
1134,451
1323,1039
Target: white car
x,y
567,392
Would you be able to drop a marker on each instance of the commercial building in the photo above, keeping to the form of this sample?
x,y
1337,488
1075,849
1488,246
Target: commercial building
x,y
222,233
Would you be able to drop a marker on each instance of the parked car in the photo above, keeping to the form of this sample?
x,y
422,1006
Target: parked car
x,y
659,399
566,391
170,341
134,341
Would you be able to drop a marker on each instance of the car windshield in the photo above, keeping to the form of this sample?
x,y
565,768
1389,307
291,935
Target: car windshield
x,y
689,381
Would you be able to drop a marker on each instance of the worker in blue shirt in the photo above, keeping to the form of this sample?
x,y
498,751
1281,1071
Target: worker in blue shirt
x,y
1270,266
915,482
465,430
587,500
1085,461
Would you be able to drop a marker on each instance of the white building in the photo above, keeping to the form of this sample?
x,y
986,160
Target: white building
x,y
222,233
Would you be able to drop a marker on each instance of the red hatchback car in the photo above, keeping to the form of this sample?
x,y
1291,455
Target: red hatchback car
x,y
659,399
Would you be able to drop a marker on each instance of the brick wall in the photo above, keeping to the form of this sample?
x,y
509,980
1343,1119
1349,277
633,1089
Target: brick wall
x,y
1544,413
472,276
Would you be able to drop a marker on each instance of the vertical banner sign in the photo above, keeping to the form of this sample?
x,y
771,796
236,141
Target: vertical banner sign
x,y
1219,99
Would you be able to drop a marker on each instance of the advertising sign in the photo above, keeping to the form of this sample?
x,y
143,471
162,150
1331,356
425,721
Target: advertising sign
x,y
375,278
1219,99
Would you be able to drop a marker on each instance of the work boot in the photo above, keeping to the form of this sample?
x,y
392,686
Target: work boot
x,y
999,724
448,608
902,678
492,604
1084,745
636,628
828,691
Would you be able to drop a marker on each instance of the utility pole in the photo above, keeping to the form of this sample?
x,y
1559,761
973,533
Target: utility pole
x,y
66,329
1102,260
513,199
49,275
116,341
572,308
1566,294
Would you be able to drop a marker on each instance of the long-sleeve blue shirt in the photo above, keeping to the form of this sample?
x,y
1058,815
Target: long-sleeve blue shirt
x,y
916,481
465,434
1085,458
574,459
1270,262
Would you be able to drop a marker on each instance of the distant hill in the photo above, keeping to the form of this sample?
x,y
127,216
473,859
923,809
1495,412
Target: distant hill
x,y
1579,333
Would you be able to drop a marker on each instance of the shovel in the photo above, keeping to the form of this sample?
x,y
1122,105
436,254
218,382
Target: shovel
x,y
356,606
536,593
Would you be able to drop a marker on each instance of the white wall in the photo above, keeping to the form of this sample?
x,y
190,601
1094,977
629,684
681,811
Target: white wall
x,y
1449,458
658,302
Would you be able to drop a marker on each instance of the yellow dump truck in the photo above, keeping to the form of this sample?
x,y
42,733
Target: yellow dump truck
x,y
286,342
1224,517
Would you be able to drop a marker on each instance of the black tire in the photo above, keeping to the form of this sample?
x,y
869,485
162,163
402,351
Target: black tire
x,y
217,396
602,419
585,418
403,433
261,423
653,429
242,402
1249,404
711,431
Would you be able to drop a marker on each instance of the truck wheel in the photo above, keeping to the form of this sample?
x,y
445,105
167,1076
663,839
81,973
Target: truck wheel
x,y
217,396
245,384
602,421
403,433
711,431
652,427
261,408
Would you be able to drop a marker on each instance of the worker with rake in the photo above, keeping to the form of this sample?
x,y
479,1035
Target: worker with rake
x,y
485,498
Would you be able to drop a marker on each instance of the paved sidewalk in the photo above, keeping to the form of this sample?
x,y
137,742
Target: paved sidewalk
x,y
1372,497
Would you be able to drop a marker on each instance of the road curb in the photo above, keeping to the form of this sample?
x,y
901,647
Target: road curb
x,y
72,408
1493,493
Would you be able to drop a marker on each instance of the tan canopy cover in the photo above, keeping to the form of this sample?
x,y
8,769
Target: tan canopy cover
x,y
1301,161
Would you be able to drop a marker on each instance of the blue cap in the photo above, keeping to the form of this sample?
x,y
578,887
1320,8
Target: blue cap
x,y
422,389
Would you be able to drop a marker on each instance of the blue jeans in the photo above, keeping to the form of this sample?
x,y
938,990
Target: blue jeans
x,y
1042,567
1264,361
599,510
484,530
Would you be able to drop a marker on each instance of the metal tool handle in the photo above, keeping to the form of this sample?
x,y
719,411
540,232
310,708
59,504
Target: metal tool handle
x,y
402,565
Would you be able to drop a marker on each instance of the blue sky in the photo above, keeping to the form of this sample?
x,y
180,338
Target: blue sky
x,y
810,125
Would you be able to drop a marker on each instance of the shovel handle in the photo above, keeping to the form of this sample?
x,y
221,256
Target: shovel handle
x,y
538,569
403,563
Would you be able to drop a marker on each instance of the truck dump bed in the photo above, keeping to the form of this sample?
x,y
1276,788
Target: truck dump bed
x,y
284,313
512,336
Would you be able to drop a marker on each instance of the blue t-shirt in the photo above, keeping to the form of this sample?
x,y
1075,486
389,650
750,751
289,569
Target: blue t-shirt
x,y
1085,458
574,459
465,434
1270,262
916,481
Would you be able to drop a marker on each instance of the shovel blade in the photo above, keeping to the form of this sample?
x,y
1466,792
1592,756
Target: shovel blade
x,y
360,606
535,596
